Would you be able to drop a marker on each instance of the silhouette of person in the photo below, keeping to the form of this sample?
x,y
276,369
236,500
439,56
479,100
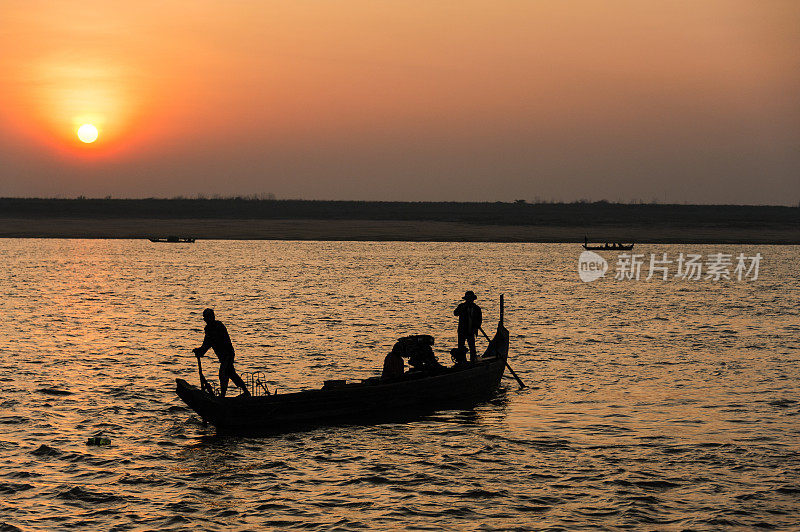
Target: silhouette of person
x,y
459,355
217,339
393,365
469,321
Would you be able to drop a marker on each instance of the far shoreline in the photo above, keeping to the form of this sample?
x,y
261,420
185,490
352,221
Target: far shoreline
x,y
386,230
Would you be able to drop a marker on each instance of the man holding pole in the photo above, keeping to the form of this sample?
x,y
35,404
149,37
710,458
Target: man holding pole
x,y
469,322
217,339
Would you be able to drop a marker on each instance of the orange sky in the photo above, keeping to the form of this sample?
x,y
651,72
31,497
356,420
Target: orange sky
x,y
463,100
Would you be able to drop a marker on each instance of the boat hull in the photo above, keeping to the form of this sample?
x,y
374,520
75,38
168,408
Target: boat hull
x,y
613,247
374,399
173,240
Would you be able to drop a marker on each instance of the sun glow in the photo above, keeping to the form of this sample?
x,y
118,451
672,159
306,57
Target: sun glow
x,y
85,108
87,133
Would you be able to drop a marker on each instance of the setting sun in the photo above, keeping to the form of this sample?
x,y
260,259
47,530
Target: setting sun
x,y
87,133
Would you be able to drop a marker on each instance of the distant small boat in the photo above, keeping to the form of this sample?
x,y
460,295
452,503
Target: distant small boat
x,y
174,239
613,246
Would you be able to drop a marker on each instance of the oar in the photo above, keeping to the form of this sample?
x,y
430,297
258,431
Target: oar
x,y
204,384
514,373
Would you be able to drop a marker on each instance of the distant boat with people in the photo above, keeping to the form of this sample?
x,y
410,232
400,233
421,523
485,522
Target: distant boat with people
x,y
615,246
174,239
374,398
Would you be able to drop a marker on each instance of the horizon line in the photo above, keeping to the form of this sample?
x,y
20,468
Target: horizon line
x,y
272,198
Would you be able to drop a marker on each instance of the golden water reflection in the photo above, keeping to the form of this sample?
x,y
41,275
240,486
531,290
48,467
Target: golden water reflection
x,y
643,398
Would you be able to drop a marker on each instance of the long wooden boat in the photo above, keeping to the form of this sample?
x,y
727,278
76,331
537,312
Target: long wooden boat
x,y
174,239
607,246
371,399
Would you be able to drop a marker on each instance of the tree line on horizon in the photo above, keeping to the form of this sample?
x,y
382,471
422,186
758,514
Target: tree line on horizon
x,y
577,213
270,197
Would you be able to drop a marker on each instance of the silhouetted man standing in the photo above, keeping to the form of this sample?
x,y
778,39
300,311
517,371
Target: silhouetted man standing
x,y
469,321
217,339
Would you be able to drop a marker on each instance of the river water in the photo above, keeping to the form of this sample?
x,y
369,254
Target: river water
x,y
661,404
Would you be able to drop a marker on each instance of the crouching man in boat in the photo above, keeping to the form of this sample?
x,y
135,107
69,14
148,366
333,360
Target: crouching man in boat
x,y
469,322
217,339
393,365
417,348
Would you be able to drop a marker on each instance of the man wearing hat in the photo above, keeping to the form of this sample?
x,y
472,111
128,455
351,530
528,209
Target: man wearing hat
x,y
469,321
217,339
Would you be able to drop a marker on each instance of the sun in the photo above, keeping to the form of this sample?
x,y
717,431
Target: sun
x,y
87,133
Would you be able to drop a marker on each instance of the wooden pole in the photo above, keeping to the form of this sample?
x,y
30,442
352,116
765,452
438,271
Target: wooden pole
x,y
204,384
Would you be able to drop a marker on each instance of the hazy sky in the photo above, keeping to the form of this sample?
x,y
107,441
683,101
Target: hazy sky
x,y
403,100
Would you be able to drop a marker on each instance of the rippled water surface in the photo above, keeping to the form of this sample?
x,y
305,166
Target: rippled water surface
x,y
652,405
